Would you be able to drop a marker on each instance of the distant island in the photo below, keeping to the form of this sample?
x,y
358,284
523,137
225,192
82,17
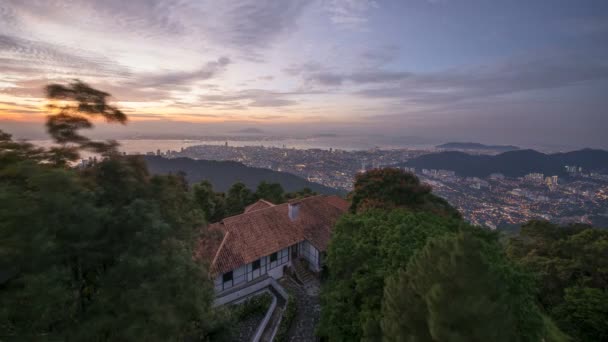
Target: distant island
x,y
513,163
476,146
222,174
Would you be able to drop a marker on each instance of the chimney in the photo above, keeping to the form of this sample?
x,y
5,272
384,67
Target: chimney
x,y
294,210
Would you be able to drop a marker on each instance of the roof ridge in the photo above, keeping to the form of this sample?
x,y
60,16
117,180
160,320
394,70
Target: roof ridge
x,y
271,207
265,201
219,248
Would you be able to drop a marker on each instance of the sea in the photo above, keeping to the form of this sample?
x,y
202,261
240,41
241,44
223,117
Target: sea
x,y
347,143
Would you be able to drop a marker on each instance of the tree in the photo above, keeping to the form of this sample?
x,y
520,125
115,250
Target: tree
x,y
205,198
239,196
393,188
101,254
571,269
460,287
305,192
71,105
366,249
584,313
272,192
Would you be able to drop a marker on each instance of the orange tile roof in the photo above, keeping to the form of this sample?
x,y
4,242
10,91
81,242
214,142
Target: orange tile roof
x,y
257,233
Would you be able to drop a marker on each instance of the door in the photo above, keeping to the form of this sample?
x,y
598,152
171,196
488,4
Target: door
x,y
294,251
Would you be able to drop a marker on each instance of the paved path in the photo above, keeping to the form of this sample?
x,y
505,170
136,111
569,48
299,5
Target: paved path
x,y
308,310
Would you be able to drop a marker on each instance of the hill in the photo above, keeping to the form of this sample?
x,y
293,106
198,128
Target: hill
x,y
222,174
512,163
476,146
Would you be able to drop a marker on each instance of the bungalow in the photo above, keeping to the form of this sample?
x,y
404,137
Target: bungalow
x,y
267,237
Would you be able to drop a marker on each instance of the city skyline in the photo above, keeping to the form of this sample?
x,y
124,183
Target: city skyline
x,y
495,72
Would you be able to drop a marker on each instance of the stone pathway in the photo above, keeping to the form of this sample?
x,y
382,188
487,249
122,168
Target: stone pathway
x,y
308,310
307,278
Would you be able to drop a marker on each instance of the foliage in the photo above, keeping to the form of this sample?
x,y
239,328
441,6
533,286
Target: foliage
x,y
211,203
584,313
393,188
365,249
256,305
305,192
272,192
72,104
98,254
216,206
571,267
291,309
460,287
238,197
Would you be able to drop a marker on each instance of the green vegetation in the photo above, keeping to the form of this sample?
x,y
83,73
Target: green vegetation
x,y
291,309
256,305
217,205
460,287
571,267
365,250
404,267
392,188
100,254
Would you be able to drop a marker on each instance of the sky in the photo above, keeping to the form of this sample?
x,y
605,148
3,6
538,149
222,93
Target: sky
x,y
526,72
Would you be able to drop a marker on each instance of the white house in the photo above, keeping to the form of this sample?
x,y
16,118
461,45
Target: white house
x,y
267,237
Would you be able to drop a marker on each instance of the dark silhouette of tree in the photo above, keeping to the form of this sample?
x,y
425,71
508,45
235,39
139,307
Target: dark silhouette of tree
x,y
238,197
272,192
305,192
393,188
72,105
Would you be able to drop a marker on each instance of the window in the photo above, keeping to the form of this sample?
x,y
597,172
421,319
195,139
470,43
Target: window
x,y
256,264
273,257
227,277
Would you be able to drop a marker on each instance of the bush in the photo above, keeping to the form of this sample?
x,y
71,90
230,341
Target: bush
x,y
256,305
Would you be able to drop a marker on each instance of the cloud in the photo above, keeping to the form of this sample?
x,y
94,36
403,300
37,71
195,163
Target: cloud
x,y
249,97
267,117
252,25
144,18
210,70
350,14
381,55
520,75
31,57
359,77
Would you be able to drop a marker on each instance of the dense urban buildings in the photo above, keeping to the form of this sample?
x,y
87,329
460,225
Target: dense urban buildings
x,y
494,201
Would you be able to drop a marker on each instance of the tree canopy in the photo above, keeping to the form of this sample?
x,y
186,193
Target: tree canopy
x,y
394,188
103,253
365,250
460,287
571,267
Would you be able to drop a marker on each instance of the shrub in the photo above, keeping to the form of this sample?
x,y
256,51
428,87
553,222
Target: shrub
x,y
256,305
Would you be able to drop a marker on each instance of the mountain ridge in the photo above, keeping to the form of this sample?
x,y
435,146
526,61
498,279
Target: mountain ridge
x,y
512,163
222,174
476,146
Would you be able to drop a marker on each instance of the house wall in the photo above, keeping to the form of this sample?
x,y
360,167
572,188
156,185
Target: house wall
x,y
311,254
246,273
